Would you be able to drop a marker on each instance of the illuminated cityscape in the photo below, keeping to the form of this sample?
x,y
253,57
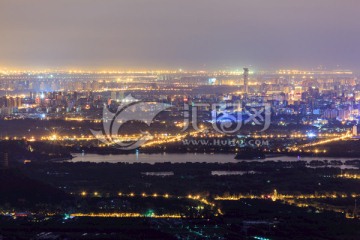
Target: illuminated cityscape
x,y
179,120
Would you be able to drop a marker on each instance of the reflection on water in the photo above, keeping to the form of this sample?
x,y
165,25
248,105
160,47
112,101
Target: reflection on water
x,y
190,157
158,174
344,167
229,173
156,158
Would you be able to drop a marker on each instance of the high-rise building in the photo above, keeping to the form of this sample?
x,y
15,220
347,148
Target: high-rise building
x,y
121,96
246,80
355,130
297,93
113,96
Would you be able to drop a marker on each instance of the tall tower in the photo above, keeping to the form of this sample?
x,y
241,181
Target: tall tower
x,y
246,81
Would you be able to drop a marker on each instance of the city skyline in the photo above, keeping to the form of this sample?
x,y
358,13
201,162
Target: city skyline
x,y
190,119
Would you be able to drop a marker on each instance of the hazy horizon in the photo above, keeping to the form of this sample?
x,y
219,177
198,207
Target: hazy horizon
x,y
192,35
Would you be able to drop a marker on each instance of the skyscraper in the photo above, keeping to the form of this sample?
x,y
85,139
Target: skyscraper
x,y
246,80
355,130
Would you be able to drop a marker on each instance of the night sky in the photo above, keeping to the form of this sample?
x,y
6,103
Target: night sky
x,y
188,34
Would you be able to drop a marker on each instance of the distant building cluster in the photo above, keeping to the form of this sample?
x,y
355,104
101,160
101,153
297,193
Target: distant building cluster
x,y
328,95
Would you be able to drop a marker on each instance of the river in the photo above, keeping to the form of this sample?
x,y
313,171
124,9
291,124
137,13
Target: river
x,y
183,158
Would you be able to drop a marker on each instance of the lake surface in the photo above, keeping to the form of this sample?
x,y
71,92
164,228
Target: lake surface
x,y
183,158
